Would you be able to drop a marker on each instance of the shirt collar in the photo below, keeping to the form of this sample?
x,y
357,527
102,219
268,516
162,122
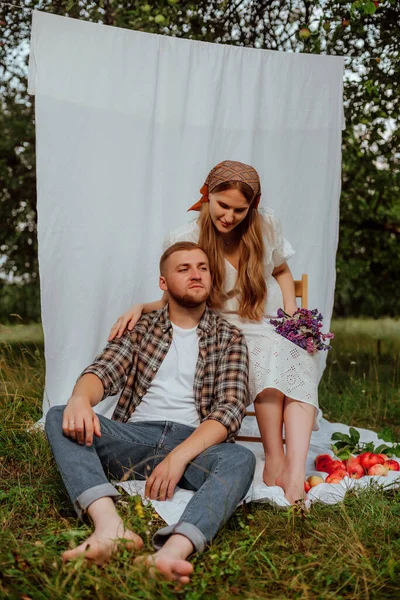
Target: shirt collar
x,y
205,321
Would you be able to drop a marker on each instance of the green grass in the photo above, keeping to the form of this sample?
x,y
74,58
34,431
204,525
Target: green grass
x,y
13,334
361,382
351,550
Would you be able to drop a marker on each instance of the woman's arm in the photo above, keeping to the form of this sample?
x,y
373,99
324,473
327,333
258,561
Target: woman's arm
x,y
284,278
132,316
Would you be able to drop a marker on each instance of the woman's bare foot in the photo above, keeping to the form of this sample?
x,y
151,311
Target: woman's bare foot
x,y
272,469
104,542
293,486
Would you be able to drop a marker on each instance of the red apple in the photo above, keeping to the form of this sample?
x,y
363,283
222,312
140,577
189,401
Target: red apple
x,y
336,476
355,470
314,480
354,459
307,487
377,458
364,459
377,469
350,462
322,461
335,465
368,459
391,465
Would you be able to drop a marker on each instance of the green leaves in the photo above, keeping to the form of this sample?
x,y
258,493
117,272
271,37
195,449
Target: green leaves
x,y
346,445
386,435
369,8
351,439
362,7
345,439
365,32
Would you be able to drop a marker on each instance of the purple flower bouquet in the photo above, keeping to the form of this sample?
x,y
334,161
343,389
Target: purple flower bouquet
x,y
303,329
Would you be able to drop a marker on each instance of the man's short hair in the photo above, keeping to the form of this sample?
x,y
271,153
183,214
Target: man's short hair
x,y
177,247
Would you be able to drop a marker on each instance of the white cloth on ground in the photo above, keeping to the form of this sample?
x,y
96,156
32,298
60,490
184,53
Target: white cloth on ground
x,y
326,493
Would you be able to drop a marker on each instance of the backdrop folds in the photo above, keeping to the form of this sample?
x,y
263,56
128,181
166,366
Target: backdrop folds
x,y
128,125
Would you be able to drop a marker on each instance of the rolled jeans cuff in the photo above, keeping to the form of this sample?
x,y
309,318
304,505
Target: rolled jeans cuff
x,y
190,531
89,496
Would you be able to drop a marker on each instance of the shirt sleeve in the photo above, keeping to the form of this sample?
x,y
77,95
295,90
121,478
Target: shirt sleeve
x,y
113,364
231,396
282,247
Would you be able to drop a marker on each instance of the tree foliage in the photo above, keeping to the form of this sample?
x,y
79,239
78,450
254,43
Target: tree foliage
x,y
366,33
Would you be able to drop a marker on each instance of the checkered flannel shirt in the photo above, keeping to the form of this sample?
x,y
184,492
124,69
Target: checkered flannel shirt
x,y
221,377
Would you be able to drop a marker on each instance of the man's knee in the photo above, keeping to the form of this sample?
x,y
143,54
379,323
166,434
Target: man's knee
x,y
235,456
244,458
54,419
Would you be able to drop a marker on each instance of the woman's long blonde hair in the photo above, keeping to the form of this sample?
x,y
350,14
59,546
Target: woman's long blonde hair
x,y
250,289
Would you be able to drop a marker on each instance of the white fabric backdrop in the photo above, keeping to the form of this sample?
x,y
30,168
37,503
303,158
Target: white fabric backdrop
x,y
128,125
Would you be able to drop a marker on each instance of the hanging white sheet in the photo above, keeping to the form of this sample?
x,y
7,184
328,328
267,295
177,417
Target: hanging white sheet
x,y
128,125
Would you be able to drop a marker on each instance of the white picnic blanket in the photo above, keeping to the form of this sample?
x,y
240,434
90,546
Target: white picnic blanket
x,y
327,493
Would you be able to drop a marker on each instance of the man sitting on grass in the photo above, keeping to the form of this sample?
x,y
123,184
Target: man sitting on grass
x,y
183,372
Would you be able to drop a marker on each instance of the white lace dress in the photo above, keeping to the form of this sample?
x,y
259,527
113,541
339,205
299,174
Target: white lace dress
x,y
275,362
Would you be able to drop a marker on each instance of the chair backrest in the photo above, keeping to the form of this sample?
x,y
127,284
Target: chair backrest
x,y
301,291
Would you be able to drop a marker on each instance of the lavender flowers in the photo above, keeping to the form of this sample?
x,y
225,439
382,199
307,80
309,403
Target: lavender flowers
x,y
303,329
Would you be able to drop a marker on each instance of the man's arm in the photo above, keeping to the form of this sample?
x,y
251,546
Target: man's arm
x,y
80,421
231,386
165,477
104,377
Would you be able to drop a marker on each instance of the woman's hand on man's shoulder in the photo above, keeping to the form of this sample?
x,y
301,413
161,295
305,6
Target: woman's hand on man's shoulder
x,y
126,321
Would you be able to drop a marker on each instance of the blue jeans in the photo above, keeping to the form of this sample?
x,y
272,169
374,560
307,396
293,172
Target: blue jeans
x,y
220,476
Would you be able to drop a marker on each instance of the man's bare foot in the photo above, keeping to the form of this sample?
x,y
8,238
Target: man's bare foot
x,y
170,569
170,561
105,542
272,469
293,487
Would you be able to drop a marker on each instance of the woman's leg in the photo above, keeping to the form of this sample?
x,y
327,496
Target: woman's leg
x,y
269,412
298,418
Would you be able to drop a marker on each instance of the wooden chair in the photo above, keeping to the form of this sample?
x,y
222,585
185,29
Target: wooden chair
x,y
301,291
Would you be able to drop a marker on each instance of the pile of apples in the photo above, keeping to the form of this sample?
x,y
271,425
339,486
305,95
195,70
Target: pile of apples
x,y
355,467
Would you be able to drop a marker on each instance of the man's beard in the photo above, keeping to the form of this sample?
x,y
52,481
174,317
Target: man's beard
x,y
188,301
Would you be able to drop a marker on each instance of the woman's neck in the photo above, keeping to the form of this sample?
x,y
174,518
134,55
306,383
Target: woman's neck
x,y
231,240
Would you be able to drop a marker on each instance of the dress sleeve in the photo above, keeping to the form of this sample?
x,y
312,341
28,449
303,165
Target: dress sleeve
x,y
282,247
169,240
186,233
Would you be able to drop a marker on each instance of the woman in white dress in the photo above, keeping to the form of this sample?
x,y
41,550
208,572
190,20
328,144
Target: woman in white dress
x,y
251,281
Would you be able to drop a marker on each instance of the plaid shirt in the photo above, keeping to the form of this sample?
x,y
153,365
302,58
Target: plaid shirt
x,y
221,378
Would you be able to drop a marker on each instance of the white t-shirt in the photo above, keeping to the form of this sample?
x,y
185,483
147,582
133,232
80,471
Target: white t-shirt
x,y
170,396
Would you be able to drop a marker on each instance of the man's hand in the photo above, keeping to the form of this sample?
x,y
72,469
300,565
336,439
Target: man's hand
x,y
162,482
80,421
